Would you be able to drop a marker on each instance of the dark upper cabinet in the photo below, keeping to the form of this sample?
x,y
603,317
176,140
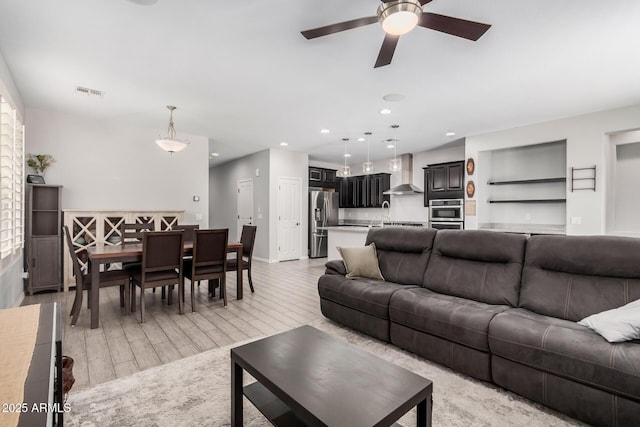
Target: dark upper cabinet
x,y
378,184
363,191
321,177
444,181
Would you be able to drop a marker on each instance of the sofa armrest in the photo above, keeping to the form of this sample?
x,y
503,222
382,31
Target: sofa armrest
x,y
335,266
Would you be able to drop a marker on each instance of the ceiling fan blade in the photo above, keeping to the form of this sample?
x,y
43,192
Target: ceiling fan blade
x,y
386,51
336,28
455,26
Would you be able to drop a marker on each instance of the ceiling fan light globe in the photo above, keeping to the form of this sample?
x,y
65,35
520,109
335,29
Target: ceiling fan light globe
x,y
399,17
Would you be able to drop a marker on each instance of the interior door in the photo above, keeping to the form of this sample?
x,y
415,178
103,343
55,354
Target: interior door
x,y
289,229
245,204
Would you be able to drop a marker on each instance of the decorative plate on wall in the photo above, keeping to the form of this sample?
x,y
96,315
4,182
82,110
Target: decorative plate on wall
x,y
471,166
471,189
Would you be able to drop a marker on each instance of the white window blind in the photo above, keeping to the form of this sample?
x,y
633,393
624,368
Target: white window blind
x,y
11,180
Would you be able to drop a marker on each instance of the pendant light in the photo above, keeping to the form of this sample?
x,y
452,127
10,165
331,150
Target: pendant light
x,y
170,143
367,167
346,170
395,165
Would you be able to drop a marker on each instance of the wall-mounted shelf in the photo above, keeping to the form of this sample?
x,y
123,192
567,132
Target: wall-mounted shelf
x,y
529,201
529,181
587,175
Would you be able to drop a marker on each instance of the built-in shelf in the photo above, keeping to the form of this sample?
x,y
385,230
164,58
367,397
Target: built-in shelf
x,y
529,181
529,201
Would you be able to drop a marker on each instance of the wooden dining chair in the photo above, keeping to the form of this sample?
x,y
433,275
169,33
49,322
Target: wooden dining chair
x,y
133,233
247,238
209,261
188,230
161,266
83,281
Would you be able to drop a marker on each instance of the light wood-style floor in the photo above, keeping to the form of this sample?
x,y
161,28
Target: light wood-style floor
x,y
285,297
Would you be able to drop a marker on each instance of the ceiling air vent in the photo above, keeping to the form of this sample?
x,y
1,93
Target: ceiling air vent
x,y
89,92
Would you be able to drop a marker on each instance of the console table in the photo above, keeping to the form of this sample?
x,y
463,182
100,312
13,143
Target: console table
x,y
30,363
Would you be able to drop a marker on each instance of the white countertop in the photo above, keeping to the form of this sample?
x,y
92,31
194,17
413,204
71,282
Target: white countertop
x,y
524,228
347,228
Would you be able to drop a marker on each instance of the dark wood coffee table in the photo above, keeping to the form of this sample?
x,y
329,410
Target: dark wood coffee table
x,y
308,378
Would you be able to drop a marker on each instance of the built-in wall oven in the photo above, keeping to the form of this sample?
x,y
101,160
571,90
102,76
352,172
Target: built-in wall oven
x,y
446,214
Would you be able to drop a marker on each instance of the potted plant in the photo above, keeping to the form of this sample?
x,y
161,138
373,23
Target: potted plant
x,y
40,163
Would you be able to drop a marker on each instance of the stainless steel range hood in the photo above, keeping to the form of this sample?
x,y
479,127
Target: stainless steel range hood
x,y
406,160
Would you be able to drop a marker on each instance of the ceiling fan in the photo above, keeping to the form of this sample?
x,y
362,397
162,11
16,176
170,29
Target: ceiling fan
x,y
399,17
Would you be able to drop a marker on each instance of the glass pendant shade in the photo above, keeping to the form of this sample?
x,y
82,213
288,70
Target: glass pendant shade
x,y
346,170
395,165
170,143
367,167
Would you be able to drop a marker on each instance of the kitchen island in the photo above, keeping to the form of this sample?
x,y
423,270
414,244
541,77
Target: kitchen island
x,y
354,234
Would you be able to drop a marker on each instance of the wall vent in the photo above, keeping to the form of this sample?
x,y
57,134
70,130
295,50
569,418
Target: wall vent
x,y
89,92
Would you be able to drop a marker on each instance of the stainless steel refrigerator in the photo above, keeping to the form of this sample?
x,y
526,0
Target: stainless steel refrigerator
x,y
323,212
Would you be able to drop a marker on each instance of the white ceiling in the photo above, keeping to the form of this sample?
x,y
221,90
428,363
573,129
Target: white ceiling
x,y
241,73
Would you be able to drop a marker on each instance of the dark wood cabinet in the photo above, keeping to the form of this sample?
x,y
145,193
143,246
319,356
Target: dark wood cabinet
x,y
378,184
321,177
43,238
363,191
444,181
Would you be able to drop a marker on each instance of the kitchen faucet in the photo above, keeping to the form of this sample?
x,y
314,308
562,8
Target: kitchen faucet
x,y
388,217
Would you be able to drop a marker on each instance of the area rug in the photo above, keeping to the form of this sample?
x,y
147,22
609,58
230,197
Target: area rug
x,y
195,391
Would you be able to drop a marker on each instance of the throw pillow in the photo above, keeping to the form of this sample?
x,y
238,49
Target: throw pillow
x,y
361,262
616,325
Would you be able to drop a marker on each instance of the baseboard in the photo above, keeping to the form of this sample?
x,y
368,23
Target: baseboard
x,y
269,261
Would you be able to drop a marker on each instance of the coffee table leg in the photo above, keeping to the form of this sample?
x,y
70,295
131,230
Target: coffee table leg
x,y
424,411
236,395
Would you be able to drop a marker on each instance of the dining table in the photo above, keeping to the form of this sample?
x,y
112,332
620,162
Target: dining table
x,y
108,254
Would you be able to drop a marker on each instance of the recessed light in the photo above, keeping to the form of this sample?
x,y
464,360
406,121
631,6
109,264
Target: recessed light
x,y
361,139
450,134
215,154
385,111
284,144
347,155
391,145
325,131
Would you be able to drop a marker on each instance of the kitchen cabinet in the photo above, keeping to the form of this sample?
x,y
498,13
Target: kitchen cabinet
x,y
378,184
363,191
322,177
43,239
444,181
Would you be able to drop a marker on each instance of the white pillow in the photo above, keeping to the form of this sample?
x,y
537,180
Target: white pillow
x,y
616,325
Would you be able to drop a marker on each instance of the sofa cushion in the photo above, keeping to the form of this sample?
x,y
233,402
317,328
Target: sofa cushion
x,y
480,265
572,277
456,319
365,295
403,252
566,349
361,262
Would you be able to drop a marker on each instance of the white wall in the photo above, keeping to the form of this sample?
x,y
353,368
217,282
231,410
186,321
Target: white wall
x,y
623,204
289,164
107,165
11,285
223,196
272,163
587,139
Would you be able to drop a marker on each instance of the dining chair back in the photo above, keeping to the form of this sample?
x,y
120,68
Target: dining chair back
x,y
188,230
107,278
248,239
209,260
133,233
161,265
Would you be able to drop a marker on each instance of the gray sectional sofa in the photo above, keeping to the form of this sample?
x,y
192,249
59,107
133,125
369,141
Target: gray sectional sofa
x,y
504,309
